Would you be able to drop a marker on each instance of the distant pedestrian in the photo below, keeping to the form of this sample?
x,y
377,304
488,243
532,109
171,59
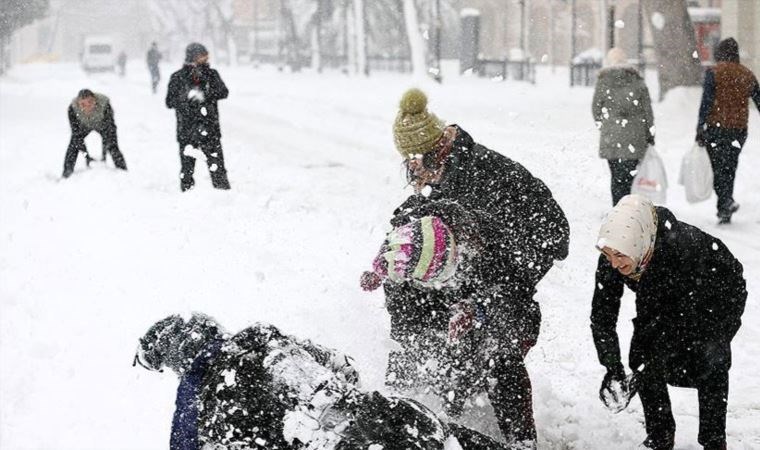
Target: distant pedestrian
x,y
154,56
722,126
90,111
622,110
121,61
193,93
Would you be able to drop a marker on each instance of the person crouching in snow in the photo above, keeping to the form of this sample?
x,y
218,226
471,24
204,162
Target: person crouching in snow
x,y
193,93
520,229
261,388
90,111
690,295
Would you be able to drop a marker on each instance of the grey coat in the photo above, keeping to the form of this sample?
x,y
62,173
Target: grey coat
x,y
623,110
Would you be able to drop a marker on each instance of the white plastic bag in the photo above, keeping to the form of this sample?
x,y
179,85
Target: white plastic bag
x,y
651,179
696,174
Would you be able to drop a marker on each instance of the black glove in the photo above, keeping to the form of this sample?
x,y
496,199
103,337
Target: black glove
x,y
650,139
700,139
404,213
614,374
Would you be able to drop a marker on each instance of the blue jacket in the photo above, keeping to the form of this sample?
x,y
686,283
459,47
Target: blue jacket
x,y
185,423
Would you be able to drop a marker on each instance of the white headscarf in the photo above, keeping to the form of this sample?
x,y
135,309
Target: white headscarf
x,y
630,228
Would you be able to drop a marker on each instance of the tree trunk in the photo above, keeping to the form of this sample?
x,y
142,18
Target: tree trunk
x,y
2,54
361,36
674,43
316,50
416,42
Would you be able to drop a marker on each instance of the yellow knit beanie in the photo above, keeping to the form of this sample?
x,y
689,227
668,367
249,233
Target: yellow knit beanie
x,y
415,130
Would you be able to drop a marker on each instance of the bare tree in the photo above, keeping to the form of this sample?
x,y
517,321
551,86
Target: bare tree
x,y
183,21
675,45
14,14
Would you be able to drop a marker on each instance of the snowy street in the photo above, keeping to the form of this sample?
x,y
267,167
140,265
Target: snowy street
x,y
88,263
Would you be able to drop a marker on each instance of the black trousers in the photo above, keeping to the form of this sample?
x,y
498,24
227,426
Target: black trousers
x,y
723,147
155,77
376,419
622,172
212,149
110,145
496,351
712,391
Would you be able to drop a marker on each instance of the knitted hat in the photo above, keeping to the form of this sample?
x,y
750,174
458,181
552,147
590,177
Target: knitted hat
x,y
174,343
727,50
193,51
415,129
424,251
630,228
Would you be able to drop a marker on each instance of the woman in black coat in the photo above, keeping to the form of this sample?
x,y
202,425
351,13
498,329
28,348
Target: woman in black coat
x,y
510,219
690,295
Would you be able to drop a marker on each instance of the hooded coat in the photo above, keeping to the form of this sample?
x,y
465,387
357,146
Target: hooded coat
x,y
623,109
689,302
197,121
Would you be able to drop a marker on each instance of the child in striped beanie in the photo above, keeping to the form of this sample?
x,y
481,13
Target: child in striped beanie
x,y
423,251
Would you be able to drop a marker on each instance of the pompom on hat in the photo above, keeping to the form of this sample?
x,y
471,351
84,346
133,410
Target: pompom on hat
x,y
423,251
415,130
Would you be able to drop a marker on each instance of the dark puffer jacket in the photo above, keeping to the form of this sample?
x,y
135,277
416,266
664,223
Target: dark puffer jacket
x,y
507,213
263,389
689,303
194,118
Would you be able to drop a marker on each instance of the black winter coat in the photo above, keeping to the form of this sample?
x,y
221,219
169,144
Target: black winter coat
x,y
689,303
517,225
256,378
197,121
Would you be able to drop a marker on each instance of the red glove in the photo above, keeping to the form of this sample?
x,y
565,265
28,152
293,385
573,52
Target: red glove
x,y
461,322
370,281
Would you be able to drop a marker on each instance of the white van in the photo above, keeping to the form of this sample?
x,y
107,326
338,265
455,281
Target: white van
x,y
99,54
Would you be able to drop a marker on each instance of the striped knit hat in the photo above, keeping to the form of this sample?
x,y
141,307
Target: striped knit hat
x,y
422,251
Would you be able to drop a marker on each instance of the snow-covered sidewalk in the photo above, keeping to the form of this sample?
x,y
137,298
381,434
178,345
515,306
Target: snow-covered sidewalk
x,y
88,263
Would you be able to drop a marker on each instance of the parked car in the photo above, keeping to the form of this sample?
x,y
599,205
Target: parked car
x,y
99,54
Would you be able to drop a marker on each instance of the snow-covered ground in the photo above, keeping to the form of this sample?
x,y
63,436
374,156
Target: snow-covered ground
x,y
88,263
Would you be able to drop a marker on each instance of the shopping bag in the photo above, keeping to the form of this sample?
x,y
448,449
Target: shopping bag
x,y
651,180
696,174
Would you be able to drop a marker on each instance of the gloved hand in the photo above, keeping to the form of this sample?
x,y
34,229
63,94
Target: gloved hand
x,y
700,139
344,365
617,390
370,281
650,139
462,321
196,95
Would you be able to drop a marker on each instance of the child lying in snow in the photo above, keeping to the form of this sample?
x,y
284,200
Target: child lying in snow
x,y
260,388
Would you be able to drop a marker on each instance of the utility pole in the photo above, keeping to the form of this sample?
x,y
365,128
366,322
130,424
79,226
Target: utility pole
x,y
603,44
640,25
523,36
438,24
255,27
551,35
611,26
573,24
